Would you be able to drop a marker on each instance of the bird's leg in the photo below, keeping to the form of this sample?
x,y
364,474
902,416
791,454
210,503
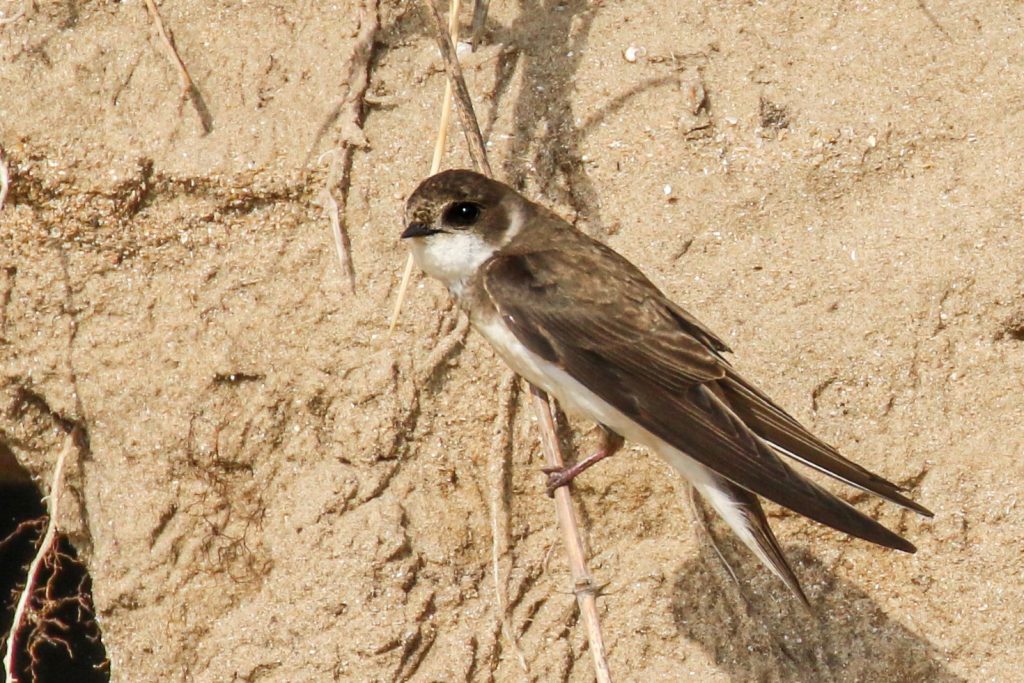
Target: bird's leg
x,y
560,476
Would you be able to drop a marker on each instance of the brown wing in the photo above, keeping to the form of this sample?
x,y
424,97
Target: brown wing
x,y
780,429
597,317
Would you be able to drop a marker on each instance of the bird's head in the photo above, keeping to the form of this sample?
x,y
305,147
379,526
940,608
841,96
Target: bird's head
x,y
458,219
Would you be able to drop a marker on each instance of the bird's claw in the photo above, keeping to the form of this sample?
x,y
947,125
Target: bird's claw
x,y
557,478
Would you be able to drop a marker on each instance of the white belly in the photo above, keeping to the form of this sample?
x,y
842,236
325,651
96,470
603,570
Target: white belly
x,y
577,398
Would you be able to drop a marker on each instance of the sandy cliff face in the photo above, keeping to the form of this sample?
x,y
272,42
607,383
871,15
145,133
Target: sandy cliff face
x,y
277,490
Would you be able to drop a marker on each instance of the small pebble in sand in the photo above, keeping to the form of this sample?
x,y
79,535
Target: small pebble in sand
x,y
633,53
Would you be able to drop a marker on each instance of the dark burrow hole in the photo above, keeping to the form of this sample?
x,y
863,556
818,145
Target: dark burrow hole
x,y
59,639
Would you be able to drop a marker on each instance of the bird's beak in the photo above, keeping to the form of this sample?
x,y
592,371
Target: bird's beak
x,y
419,230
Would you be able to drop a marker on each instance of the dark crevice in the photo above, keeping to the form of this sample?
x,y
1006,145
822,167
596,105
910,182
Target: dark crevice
x,y
59,639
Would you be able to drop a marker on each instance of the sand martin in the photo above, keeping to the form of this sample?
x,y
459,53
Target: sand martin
x,y
578,320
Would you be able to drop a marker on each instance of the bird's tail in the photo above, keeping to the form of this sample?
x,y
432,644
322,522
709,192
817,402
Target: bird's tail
x,y
742,511
782,431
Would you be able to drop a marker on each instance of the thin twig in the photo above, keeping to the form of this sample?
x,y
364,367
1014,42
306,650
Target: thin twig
x,y
5,179
10,667
446,103
583,583
435,163
350,108
342,245
464,105
402,288
584,587
479,21
189,91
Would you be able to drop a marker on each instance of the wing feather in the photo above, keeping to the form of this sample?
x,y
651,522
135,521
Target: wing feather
x,y
780,429
628,344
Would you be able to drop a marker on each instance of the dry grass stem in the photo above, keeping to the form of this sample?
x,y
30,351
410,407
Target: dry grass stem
x,y
584,587
342,245
435,164
5,179
189,91
479,21
350,109
463,103
446,103
45,548
402,288
583,583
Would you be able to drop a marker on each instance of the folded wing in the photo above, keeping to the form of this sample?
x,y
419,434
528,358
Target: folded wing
x,y
612,330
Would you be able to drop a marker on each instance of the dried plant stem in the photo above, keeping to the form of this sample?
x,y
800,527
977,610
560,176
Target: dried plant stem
x,y
463,104
5,179
584,588
350,109
330,204
402,288
583,583
479,21
189,91
45,547
435,164
446,103
507,390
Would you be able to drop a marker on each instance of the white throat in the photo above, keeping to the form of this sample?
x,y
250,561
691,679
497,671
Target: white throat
x,y
452,258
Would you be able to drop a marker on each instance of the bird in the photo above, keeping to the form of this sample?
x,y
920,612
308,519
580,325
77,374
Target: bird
x,y
578,320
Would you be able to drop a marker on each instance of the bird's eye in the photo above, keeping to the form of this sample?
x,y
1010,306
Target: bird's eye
x,y
462,214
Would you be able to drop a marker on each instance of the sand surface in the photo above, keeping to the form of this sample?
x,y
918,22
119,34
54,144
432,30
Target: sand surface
x,y
278,491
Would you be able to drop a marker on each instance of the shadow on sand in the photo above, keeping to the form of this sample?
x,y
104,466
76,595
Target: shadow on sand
x,y
756,632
